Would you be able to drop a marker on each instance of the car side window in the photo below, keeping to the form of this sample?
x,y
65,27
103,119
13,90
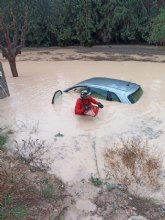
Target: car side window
x,y
112,97
98,93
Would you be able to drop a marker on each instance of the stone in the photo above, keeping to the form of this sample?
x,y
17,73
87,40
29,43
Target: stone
x,y
163,208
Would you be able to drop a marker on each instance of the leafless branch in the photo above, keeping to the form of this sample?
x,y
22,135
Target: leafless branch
x,y
32,152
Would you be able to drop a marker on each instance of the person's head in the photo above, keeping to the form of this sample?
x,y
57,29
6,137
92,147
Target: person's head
x,y
84,93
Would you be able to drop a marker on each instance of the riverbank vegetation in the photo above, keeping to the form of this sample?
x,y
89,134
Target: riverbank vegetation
x,y
27,191
90,22
133,161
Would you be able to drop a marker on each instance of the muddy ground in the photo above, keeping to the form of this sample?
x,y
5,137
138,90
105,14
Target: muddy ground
x,y
30,193
95,53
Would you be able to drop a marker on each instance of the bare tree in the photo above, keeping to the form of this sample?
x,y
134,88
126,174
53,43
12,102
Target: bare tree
x,y
14,45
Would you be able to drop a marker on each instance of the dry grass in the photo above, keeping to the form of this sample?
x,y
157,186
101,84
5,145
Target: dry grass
x,y
34,153
131,161
28,195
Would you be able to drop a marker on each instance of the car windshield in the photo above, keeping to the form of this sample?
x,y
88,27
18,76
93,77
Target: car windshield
x,y
134,97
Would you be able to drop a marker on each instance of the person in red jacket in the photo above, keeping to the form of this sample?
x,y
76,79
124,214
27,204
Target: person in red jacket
x,y
84,105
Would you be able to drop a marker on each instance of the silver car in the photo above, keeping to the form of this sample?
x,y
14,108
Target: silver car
x,y
108,89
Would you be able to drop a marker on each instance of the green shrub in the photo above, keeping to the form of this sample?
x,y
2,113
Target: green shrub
x,y
8,211
157,32
47,189
3,140
95,181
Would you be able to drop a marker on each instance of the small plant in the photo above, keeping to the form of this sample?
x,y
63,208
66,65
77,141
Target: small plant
x,y
95,181
58,135
9,211
110,186
47,189
3,140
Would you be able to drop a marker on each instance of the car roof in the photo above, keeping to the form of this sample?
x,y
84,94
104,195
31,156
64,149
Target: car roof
x,y
106,83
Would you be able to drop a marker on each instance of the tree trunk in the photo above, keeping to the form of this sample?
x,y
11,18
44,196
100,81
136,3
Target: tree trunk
x,y
13,68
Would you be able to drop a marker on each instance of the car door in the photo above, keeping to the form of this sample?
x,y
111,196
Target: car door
x,y
56,95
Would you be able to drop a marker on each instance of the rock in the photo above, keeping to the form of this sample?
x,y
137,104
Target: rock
x,y
138,217
163,208
121,187
134,209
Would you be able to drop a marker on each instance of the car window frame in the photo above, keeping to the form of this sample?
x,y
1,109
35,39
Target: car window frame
x,y
57,92
113,93
74,87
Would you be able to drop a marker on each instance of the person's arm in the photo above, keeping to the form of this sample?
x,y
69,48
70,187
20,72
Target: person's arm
x,y
94,101
79,108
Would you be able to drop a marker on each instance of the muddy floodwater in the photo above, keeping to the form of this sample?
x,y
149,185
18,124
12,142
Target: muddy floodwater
x,y
28,111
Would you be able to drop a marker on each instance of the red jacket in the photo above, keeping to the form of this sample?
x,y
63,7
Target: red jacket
x,y
81,103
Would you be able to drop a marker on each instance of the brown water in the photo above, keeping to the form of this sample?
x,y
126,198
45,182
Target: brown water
x,y
29,112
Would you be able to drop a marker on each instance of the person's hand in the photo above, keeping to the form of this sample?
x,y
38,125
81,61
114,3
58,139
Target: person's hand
x,y
100,105
87,107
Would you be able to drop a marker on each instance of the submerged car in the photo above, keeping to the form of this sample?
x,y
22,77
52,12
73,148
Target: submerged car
x,y
108,89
